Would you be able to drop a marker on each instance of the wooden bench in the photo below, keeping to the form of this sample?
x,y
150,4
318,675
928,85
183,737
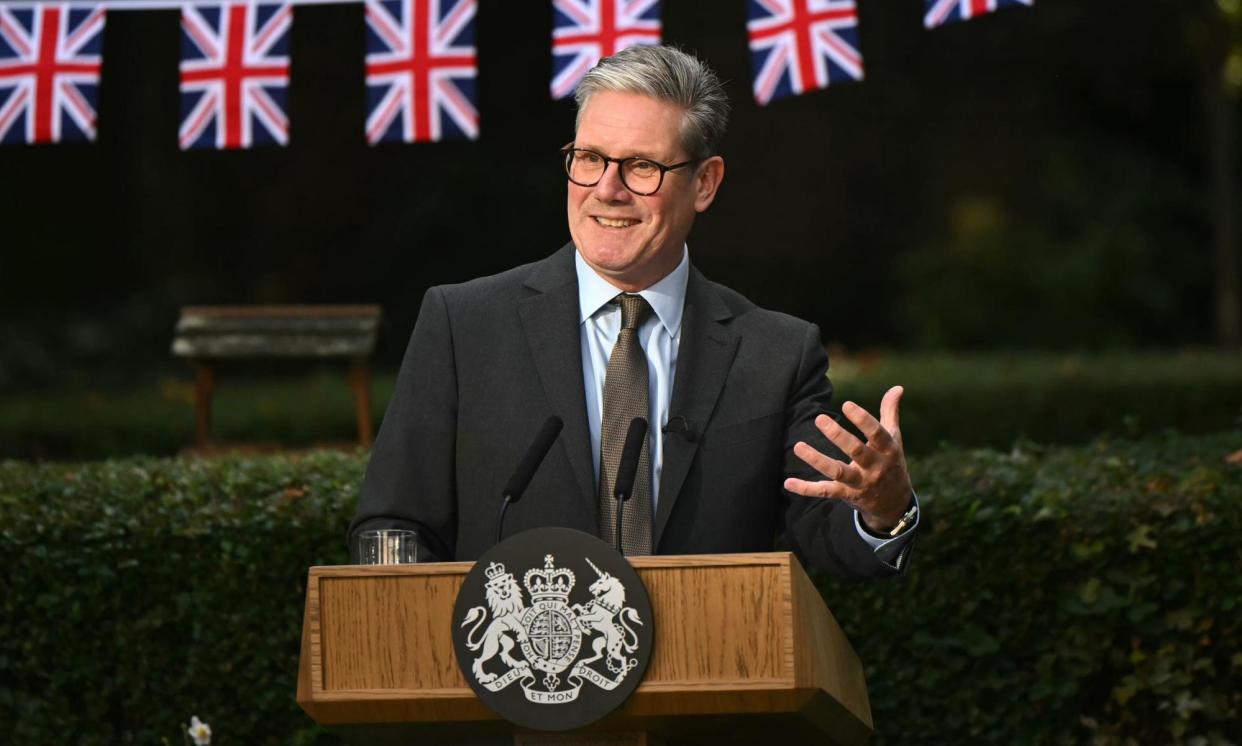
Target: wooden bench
x,y
208,335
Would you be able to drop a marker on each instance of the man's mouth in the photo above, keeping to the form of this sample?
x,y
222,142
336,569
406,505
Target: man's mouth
x,y
615,222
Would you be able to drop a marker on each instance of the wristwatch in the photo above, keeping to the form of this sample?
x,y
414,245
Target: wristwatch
x,y
907,520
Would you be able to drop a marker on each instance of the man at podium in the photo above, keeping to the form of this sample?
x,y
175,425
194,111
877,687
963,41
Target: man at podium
x,y
619,324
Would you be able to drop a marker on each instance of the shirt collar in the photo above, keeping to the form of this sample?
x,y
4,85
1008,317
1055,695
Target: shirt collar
x,y
667,297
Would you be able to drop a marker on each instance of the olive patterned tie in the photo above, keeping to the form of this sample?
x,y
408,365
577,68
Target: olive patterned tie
x,y
625,397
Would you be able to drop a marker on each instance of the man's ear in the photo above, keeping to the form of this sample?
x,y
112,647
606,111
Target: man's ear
x,y
707,181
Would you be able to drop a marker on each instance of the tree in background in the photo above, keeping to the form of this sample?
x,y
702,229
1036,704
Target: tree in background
x,y
1216,32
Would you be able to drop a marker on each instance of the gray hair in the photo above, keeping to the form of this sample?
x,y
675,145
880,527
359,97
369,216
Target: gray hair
x,y
666,74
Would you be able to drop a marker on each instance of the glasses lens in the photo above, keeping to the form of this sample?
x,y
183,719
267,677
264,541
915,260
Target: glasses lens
x,y
585,167
641,175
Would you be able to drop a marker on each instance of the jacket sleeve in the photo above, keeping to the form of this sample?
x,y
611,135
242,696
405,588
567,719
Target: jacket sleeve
x,y
410,480
821,532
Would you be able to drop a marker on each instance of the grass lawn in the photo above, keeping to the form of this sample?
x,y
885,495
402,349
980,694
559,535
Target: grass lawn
x,y
965,399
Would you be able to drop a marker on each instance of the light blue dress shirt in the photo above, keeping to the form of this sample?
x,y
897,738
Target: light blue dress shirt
x,y
659,335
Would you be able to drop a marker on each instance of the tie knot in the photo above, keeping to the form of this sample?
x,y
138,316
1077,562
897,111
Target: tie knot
x,y
634,310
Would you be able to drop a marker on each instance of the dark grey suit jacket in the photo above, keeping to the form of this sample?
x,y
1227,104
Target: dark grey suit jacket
x,y
491,359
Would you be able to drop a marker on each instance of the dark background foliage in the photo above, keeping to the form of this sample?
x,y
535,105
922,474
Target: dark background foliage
x,y
1037,168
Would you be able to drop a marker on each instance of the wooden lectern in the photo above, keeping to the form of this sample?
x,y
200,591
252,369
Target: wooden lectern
x,y
745,651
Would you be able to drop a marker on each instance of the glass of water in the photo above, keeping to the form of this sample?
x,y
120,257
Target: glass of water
x,y
389,546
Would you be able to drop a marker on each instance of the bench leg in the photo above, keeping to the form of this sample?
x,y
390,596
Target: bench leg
x,y
360,382
204,387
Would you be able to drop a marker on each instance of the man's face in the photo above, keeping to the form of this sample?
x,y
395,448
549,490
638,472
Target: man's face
x,y
631,240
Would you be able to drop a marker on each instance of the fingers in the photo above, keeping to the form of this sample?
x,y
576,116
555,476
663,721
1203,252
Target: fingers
x,y
890,414
833,490
845,440
829,467
877,436
877,479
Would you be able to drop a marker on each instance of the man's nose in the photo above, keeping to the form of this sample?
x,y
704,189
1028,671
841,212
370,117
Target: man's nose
x,y
610,188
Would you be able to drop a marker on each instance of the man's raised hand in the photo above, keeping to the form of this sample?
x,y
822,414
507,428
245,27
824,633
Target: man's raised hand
x,y
877,483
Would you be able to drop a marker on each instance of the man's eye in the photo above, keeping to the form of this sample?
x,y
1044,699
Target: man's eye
x,y
588,157
643,168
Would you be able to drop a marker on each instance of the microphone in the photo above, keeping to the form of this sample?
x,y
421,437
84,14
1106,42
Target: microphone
x,y
682,427
526,468
627,469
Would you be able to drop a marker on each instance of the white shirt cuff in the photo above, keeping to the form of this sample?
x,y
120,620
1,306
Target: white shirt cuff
x,y
888,548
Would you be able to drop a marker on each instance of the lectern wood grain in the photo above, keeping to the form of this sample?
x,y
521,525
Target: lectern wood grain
x,y
394,610
835,668
735,635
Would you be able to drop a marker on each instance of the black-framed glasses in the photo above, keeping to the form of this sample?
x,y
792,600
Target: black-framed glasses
x,y
642,176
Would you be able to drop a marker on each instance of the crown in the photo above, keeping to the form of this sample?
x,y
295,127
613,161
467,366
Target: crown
x,y
550,583
496,575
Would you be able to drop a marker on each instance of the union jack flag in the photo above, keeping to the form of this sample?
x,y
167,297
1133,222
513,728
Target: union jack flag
x,y
50,55
234,74
950,11
586,31
802,45
940,12
421,71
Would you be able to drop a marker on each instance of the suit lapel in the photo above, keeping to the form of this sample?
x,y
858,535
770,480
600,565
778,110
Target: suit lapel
x,y
706,353
550,321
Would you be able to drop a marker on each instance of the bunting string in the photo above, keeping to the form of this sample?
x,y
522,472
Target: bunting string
x,y
421,61
178,4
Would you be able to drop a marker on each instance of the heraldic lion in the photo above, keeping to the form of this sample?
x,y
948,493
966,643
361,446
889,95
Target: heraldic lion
x,y
504,596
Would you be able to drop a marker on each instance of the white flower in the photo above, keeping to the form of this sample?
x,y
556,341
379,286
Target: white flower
x,y
200,732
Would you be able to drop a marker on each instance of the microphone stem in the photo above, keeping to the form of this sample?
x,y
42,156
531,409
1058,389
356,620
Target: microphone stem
x,y
500,524
620,505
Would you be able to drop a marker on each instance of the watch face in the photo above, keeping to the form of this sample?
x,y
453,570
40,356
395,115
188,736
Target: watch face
x,y
553,629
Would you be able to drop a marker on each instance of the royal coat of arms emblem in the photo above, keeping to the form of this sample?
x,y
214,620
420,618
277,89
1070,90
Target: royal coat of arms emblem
x,y
549,638
549,633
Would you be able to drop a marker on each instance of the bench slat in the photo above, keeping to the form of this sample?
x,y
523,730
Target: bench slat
x,y
276,331
258,345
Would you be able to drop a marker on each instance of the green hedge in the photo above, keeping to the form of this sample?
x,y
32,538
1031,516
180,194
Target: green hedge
x,y
975,400
1058,595
1068,595
141,592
